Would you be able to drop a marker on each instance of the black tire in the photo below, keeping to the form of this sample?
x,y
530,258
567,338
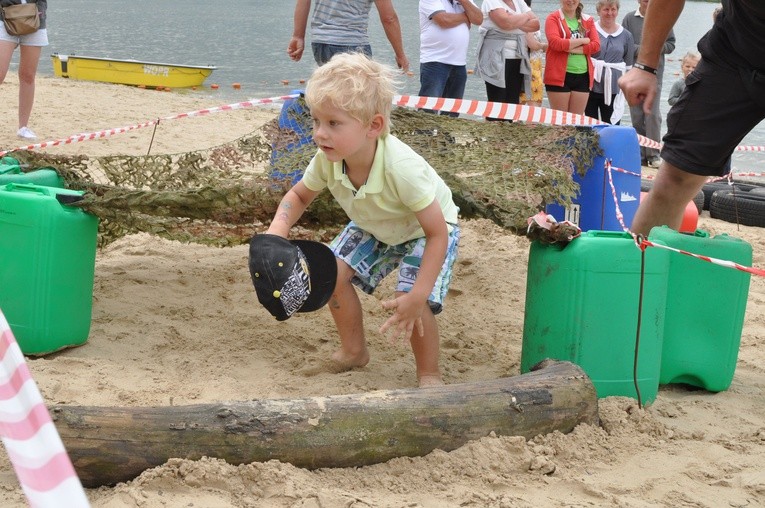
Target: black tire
x,y
712,187
738,207
698,200
758,190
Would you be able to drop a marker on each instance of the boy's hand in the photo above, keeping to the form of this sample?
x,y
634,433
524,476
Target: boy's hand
x,y
407,314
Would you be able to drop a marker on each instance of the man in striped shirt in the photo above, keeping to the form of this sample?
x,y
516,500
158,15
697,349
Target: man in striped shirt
x,y
341,26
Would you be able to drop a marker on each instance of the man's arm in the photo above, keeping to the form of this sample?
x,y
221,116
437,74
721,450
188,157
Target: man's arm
x,y
640,85
669,44
473,13
299,23
392,27
660,17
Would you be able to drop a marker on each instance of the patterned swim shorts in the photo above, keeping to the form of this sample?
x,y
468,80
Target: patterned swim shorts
x,y
373,261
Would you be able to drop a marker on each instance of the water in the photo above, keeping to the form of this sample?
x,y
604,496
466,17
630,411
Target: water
x,y
247,40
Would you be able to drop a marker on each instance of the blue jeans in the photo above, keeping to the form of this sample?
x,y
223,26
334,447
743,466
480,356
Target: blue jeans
x,y
442,80
323,52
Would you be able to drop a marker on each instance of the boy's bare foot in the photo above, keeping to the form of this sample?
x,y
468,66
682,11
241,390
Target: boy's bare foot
x,y
427,381
345,361
336,364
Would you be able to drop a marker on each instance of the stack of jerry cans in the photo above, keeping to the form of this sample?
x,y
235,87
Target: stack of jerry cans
x,y
582,305
705,308
594,206
47,264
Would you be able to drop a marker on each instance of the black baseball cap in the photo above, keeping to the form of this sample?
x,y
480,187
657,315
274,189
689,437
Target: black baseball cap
x,y
291,275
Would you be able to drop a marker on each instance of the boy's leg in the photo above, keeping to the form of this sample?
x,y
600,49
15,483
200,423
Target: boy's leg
x,y
426,347
426,350
347,313
358,264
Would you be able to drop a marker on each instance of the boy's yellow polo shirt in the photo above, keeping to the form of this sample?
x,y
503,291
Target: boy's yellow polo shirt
x,y
400,184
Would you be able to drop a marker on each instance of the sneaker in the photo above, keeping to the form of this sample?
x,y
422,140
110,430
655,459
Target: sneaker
x,y
654,162
26,133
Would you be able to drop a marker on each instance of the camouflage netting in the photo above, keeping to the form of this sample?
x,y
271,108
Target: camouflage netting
x,y
222,195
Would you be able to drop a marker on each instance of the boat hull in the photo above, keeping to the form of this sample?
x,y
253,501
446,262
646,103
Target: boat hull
x,y
130,72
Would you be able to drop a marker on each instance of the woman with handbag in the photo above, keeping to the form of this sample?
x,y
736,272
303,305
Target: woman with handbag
x,y
23,27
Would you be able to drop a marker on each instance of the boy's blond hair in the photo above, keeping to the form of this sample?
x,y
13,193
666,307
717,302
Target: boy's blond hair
x,y
356,84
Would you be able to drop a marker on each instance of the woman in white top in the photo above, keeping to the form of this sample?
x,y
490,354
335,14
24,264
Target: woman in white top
x,y
503,54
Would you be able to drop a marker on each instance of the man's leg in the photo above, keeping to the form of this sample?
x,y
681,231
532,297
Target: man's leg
x,y
665,204
433,77
323,53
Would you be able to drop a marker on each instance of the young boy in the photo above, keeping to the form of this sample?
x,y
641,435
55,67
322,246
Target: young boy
x,y
689,62
401,211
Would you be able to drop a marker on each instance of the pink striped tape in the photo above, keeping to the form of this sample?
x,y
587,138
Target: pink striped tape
x,y
519,113
721,262
617,208
77,138
34,447
505,111
500,110
729,177
645,242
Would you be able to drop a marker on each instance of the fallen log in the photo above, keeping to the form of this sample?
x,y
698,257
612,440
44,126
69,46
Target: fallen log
x,y
108,445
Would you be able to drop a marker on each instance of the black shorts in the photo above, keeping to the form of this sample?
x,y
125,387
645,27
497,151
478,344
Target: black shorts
x,y
572,83
718,107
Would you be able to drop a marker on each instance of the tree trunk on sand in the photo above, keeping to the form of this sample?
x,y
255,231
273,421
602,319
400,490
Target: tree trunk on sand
x,y
115,444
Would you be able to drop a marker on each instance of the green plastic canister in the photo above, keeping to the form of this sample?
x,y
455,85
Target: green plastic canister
x,y
702,334
10,172
582,303
47,265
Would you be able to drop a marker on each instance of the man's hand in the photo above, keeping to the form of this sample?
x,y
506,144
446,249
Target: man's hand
x,y
403,63
639,86
295,48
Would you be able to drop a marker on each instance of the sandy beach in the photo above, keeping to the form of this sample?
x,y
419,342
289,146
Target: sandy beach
x,y
180,324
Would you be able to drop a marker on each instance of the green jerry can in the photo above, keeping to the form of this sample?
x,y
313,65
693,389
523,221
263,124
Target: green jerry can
x,y
10,172
47,266
583,303
702,334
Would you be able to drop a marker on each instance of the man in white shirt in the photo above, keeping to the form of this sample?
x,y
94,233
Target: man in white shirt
x,y
444,38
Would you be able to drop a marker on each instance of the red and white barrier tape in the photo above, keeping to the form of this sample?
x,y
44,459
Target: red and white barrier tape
x,y
619,214
729,177
501,110
76,138
722,262
34,446
645,242
518,112
232,107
